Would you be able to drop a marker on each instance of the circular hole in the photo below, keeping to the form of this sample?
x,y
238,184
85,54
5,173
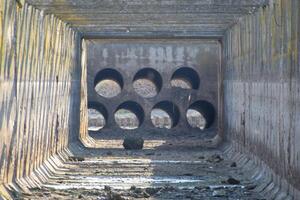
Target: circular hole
x,y
108,83
147,82
201,114
165,114
185,78
129,115
97,116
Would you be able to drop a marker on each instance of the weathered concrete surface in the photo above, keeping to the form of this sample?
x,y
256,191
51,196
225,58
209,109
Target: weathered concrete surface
x,y
128,57
40,80
194,174
196,17
37,63
261,89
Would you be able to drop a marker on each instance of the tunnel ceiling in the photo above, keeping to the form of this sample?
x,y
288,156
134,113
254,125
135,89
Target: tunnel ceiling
x,y
198,17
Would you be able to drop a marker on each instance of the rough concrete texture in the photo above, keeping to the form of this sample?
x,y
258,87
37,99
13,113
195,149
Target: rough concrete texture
x,y
37,61
46,151
196,174
159,59
261,89
209,18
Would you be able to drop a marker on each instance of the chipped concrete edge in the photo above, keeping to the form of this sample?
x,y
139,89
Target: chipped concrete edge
x,y
269,184
39,176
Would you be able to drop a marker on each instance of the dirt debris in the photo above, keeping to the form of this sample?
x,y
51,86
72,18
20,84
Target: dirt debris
x,y
233,181
76,159
233,164
128,175
215,158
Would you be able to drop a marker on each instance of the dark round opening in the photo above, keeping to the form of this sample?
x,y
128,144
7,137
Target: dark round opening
x,y
129,115
201,114
185,78
165,114
108,83
147,82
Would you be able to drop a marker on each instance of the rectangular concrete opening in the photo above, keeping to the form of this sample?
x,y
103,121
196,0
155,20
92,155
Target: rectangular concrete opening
x,y
135,68
167,99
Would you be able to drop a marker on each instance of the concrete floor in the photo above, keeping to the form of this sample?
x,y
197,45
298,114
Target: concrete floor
x,y
148,174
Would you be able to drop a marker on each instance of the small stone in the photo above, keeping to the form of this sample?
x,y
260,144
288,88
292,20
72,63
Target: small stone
x,y
139,193
233,181
114,196
201,188
107,188
188,174
150,154
138,190
36,189
152,191
132,187
133,143
75,158
250,187
80,196
233,164
168,188
109,153
215,158
219,193
40,195
146,195
194,191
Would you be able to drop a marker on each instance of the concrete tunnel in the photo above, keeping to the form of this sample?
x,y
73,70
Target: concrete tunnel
x,y
150,99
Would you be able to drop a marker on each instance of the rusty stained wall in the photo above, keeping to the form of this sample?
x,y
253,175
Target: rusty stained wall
x,y
37,65
262,89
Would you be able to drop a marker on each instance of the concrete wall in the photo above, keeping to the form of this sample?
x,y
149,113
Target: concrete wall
x,y
262,89
37,64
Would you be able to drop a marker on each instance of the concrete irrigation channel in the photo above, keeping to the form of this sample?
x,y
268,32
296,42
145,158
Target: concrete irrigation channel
x,y
150,99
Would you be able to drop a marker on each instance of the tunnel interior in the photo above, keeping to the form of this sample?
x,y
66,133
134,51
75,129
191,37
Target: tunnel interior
x,y
150,99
